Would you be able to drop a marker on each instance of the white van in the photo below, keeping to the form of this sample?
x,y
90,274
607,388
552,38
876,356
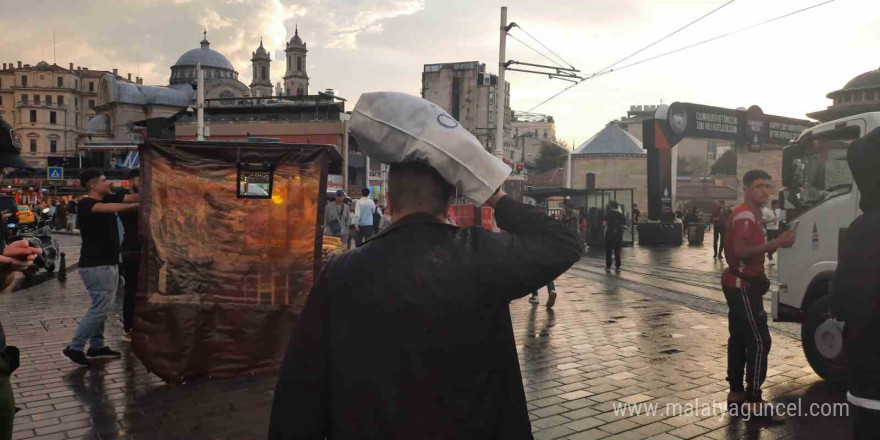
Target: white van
x,y
819,200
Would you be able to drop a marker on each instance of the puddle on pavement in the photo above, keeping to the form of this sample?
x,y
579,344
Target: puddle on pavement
x,y
671,351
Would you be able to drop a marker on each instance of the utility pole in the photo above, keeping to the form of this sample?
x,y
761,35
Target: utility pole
x,y
500,88
200,103
345,119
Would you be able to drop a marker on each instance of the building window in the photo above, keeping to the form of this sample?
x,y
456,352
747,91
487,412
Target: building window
x,y
37,99
76,102
591,181
91,104
91,86
24,81
53,146
33,145
60,82
60,100
76,84
48,99
299,64
24,98
1,100
545,133
262,73
77,120
52,118
33,116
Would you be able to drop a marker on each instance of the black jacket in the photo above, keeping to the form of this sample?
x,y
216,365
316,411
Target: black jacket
x,y
410,337
856,301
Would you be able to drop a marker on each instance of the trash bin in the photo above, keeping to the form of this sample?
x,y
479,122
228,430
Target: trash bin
x,y
695,232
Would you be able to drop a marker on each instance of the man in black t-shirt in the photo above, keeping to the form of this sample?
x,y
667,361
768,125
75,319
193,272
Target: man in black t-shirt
x,y
131,257
615,222
98,263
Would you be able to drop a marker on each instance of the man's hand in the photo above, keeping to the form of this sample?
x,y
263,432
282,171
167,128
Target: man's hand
x,y
16,257
357,228
495,198
786,239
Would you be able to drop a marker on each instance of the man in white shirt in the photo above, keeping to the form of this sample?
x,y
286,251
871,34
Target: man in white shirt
x,y
771,218
363,218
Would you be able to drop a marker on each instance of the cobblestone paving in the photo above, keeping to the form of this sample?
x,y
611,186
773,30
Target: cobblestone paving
x,y
601,345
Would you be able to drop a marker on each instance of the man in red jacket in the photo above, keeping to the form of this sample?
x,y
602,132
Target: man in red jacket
x,y
744,284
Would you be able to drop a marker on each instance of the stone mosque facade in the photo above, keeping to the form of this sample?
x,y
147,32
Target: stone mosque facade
x,y
121,103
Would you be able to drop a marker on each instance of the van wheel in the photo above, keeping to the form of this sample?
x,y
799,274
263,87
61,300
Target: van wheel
x,y
822,339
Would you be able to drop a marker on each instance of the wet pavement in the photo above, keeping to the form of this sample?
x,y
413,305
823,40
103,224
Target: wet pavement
x,y
651,334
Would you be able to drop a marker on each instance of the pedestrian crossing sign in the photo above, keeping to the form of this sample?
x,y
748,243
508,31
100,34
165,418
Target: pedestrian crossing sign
x,y
55,173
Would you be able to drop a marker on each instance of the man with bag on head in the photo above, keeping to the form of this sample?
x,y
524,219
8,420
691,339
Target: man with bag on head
x,y
426,350
744,284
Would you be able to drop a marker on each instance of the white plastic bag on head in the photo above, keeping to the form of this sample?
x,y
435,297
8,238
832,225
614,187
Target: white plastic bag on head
x,y
396,128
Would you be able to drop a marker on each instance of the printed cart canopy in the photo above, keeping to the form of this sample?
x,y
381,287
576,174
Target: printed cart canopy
x,y
231,238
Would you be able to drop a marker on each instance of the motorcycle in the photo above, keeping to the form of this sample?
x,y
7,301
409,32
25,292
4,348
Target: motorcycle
x,y
38,236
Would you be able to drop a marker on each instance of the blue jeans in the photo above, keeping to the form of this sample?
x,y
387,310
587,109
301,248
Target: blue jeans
x,y
101,281
550,288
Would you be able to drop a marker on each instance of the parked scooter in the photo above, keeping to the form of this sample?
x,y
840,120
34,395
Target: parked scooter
x,y
38,236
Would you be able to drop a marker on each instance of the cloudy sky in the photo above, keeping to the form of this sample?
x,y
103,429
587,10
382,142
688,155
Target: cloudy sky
x,y
356,46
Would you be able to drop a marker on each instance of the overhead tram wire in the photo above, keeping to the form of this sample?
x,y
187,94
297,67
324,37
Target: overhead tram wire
x,y
719,37
606,70
668,35
544,46
601,73
536,51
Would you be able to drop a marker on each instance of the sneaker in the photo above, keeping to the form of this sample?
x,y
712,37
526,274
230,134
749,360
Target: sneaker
x,y
714,256
551,299
102,353
763,409
617,269
126,337
533,299
608,269
75,357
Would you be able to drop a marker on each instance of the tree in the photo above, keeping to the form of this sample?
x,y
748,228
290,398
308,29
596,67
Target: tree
x,y
684,166
726,164
549,158
691,166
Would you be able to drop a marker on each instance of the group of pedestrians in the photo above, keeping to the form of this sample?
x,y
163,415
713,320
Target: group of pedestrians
x,y
354,220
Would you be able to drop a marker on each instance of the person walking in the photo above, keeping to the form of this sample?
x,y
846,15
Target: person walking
x,y
337,217
744,284
551,295
446,367
71,214
719,223
615,222
131,257
363,217
856,291
60,220
770,218
98,264
377,216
